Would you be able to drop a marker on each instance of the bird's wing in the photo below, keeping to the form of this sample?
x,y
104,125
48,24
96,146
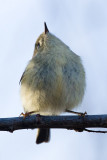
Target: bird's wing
x,y
21,77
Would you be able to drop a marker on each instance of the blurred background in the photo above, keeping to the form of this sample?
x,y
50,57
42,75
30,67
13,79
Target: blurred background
x,y
82,25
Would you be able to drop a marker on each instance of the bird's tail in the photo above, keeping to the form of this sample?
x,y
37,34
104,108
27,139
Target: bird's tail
x,y
43,135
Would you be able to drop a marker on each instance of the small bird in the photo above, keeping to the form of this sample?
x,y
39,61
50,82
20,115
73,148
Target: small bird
x,y
53,81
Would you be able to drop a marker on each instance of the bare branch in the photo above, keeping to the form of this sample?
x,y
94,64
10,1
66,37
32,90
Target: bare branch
x,y
78,123
88,130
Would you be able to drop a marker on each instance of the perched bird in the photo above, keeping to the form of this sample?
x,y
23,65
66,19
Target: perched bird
x,y
53,81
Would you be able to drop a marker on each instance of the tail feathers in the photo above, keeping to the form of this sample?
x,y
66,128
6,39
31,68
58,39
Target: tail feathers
x,y
43,135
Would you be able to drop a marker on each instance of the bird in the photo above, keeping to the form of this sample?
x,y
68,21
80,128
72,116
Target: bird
x,y
53,81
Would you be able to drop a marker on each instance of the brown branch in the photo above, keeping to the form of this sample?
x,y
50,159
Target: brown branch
x,y
78,123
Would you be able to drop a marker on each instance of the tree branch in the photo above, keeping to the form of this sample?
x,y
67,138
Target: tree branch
x,y
78,123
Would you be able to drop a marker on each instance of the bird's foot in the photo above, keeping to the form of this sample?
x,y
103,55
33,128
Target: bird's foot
x,y
78,113
26,114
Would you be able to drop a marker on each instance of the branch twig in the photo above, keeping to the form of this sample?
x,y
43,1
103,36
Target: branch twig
x,y
88,130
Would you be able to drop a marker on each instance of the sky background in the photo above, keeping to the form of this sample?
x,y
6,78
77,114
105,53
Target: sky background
x,y
82,25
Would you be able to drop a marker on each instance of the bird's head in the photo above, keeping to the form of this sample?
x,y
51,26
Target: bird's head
x,y
46,42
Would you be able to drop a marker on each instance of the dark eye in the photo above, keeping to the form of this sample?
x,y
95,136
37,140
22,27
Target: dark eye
x,y
38,45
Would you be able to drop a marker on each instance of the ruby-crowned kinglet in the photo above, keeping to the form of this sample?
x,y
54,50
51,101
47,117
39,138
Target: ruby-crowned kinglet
x,y
53,81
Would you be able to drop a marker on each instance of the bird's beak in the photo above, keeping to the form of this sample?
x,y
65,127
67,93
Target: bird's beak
x,y
46,28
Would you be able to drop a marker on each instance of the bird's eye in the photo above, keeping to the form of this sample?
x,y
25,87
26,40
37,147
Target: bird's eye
x,y
38,45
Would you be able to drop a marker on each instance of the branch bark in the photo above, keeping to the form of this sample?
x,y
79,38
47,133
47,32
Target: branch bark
x,y
78,123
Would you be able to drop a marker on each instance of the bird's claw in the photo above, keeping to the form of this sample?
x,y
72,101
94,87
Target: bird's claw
x,y
26,114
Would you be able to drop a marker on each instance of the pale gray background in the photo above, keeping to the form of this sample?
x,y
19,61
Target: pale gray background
x,y
82,25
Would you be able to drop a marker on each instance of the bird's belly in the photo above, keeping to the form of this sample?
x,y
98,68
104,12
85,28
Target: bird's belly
x,y
50,91
42,102
52,100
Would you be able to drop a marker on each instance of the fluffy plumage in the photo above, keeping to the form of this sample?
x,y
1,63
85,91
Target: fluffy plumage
x,y
54,79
